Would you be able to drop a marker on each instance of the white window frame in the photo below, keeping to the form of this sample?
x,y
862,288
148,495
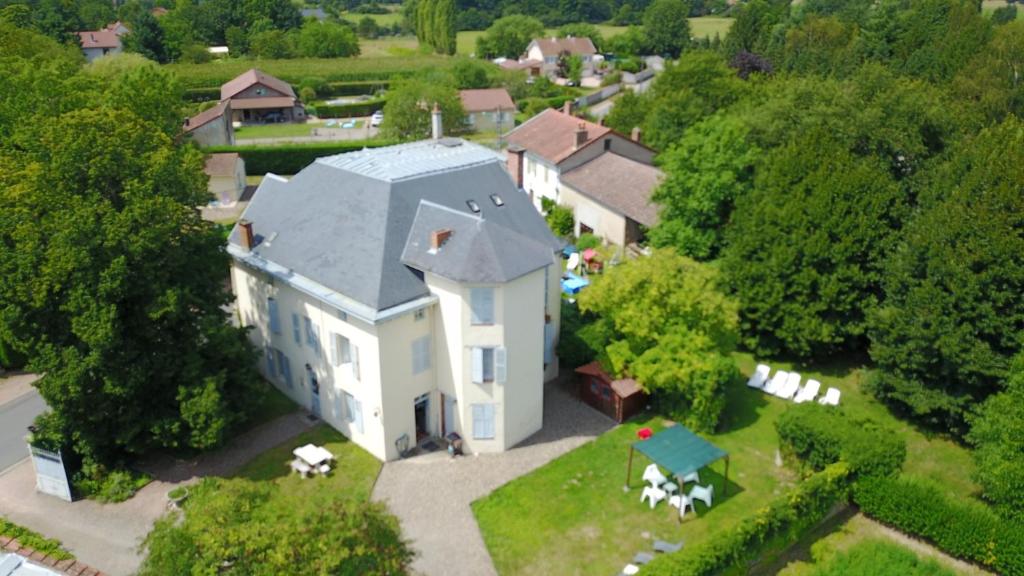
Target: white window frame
x,y
353,411
483,421
296,328
498,363
274,316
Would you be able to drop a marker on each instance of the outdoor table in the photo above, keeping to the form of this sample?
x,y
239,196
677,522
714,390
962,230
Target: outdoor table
x,y
313,455
670,488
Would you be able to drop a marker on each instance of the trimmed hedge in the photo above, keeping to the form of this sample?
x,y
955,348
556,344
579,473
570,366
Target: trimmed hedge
x,y
202,94
967,530
353,110
820,435
784,518
289,159
31,539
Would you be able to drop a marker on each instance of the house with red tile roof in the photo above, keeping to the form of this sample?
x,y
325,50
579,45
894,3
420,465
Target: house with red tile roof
x,y
211,127
98,43
605,177
489,109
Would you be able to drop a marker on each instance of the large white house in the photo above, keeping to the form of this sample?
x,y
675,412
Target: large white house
x,y
403,293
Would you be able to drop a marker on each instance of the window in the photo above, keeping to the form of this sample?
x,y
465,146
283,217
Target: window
x,y
497,200
341,350
314,384
606,392
473,206
284,367
419,314
354,412
295,329
275,319
607,144
483,421
420,354
489,365
481,302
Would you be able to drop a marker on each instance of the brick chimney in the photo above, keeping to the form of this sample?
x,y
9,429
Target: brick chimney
x,y
435,123
635,134
567,108
581,136
514,163
245,235
438,238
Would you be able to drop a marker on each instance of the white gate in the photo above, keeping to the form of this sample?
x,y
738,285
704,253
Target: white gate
x,y
51,477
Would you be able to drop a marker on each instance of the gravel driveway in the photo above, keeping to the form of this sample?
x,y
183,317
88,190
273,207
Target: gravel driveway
x,y
431,494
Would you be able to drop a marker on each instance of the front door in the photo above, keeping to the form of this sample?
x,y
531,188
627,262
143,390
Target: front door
x,y
422,409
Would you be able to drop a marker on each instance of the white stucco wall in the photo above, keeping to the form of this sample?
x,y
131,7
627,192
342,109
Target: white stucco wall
x,y
540,178
606,223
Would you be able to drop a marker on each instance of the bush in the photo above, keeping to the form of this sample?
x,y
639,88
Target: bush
x,y
31,539
785,519
96,482
202,94
350,110
880,558
355,88
967,530
582,338
588,240
9,358
561,220
292,158
819,436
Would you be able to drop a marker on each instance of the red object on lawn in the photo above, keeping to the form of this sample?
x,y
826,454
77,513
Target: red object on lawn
x,y
589,254
644,433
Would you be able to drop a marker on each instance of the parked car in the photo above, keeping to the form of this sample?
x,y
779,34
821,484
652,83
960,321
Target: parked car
x,y
377,118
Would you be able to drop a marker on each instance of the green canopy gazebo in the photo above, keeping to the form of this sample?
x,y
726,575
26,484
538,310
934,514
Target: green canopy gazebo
x,y
681,452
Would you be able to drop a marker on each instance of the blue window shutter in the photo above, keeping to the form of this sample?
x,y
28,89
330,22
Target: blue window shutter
x,y
549,343
489,419
295,329
500,364
271,366
287,370
275,320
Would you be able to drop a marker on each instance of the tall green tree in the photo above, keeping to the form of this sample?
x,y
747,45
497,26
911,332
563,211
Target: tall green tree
x,y
327,40
991,86
407,114
444,27
953,316
146,38
509,36
667,25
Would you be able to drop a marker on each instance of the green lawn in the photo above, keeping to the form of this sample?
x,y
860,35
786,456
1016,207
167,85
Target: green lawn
x,y
572,517
707,26
353,474
279,130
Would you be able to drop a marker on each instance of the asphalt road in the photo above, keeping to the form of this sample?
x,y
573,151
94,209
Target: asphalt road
x,y
15,416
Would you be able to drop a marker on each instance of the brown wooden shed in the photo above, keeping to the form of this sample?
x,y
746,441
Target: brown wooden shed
x,y
619,399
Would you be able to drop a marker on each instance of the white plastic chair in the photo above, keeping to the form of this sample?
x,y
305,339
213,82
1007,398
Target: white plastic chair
x,y
702,493
653,475
776,382
831,397
759,377
789,387
652,495
808,392
692,477
681,501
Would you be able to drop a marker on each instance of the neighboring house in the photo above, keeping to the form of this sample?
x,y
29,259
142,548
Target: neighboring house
x,y
227,177
98,43
489,110
555,142
258,97
548,50
611,198
533,67
211,127
403,293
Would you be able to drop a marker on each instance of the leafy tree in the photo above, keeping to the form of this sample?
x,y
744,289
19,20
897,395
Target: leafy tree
x,y
509,36
407,114
748,63
632,42
671,329
140,86
667,25
1004,14
953,316
560,219
997,433
327,40
629,112
444,27
283,14
271,44
706,172
472,73
237,40
238,527
822,46
582,30
570,67
992,84
367,28
805,250
146,38
753,28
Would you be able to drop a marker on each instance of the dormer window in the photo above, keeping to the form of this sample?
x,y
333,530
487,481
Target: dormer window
x,y
473,206
497,200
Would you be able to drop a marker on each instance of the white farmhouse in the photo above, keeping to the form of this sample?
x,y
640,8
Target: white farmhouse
x,y
403,293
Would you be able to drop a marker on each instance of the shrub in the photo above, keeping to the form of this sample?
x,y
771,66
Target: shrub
x,y
292,158
819,436
588,240
99,483
880,558
785,518
561,221
967,530
202,94
31,539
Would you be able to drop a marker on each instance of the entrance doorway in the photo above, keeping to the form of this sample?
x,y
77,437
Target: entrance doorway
x,y
421,406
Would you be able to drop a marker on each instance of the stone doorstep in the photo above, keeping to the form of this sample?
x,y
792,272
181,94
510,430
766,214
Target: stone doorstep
x,y
70,567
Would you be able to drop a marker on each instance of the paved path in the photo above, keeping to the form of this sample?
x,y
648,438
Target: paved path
x,y
431,494
20,403
107,536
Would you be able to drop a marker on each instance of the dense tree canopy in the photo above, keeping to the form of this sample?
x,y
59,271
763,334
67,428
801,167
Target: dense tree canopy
x,y
327,40
508,36
407,114
667,27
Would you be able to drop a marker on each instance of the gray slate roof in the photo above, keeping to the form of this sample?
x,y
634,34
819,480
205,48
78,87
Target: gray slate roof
x,y
344,221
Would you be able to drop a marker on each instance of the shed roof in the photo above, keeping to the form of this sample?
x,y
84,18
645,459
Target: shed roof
x,y
250,77
680,450
207,116
221,164
486,100
622,184
626,387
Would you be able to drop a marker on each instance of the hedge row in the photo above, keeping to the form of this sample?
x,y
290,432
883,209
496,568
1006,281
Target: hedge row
x,y
329,89
960,528
820,435
31,539
786,517
353,110
289,159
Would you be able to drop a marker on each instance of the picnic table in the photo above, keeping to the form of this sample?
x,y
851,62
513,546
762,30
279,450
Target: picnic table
x,y
311,458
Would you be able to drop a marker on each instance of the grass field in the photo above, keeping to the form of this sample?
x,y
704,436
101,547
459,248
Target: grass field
x,y
279,130
572,517
989,6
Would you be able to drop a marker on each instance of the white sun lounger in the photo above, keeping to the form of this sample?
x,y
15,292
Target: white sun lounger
x,y
790,387
759,377
808,392
831,397
776,382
